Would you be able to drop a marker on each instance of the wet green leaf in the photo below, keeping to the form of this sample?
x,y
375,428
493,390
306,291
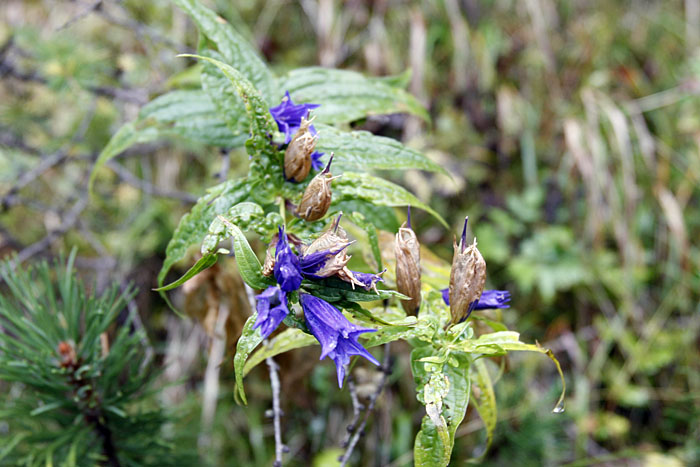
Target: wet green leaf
x,y
354,186
228,103
259,117
287,340
484,400
346,95
193,226
361,150
249,340
203,263
191,114
444,390
241,213
335,290
500,343
248,263
232,46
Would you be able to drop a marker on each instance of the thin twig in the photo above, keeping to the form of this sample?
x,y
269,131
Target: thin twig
x,y
133,95
96,5
148,187
357,408
69,221
359,431
276,410
211,375
225,164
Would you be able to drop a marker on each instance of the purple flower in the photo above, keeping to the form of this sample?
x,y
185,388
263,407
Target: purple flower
x,y
316,162
337,335
288,116
272,309
287,269
488,299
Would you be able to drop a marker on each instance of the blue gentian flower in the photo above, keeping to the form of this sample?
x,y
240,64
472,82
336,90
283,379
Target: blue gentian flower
x,y
488,299
287,269
337,335
316,162
272,309
288,116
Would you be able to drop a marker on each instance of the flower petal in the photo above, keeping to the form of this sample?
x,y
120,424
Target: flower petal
x,y
272,309
287,269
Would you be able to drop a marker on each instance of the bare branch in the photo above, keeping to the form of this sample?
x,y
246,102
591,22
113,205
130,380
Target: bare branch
x,y
359,431
276,410
148,187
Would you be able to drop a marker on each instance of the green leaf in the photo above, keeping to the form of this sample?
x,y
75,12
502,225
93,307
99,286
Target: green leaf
x,y
192,115
353,186
217,232
358,219
390,333
382,217
204,262
361,150
499,343
484,400
177,114
249,340
287,340
444,390
232,46
248,263
259,117
335,290
193,226
346,95
228,103
128,135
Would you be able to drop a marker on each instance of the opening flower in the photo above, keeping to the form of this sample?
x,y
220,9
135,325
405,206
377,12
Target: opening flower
x,y
288,116
287,269
337,335
488,299
272,309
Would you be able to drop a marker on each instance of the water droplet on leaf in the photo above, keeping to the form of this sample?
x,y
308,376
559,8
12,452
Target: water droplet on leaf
x,y
559,408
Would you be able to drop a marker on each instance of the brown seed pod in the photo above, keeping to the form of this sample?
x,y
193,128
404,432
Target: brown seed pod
x,y
467,278
269,264
408,272
317,196
297,157
332,245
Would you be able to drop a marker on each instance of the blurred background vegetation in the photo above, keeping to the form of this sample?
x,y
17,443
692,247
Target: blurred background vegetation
x,y
571,129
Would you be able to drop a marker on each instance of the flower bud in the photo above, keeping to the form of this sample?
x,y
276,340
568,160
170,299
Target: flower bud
x,y
297,157
407,252
317,196
467,278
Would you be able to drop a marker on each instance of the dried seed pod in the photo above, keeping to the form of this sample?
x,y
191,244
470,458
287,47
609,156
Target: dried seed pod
x,y
467,278
407,252
317,196
297,157
269,264
326,255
